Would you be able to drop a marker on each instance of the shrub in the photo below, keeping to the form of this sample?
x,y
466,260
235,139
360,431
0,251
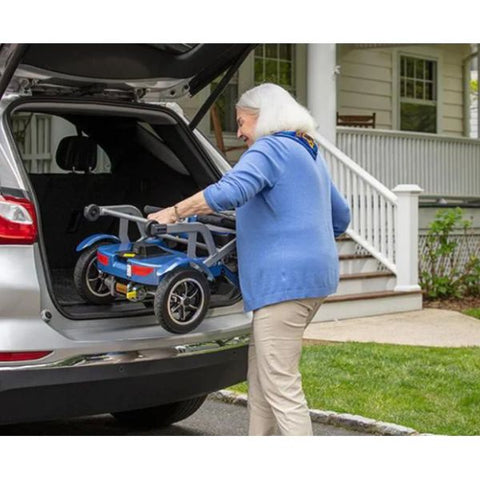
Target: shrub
x,y
444,274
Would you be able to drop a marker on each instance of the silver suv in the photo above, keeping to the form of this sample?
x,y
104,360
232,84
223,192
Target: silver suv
x,y
75,129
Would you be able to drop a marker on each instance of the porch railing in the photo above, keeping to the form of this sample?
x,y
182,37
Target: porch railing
x,y
383,222
443,166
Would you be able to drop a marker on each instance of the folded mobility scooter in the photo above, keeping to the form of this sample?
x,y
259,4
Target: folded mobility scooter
x,y
172,266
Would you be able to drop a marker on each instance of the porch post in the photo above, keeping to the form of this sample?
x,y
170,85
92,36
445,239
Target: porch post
x,y
406,238
321,87
478,90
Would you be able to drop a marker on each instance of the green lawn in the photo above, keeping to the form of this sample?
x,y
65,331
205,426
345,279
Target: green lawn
x,y
433,390
473,312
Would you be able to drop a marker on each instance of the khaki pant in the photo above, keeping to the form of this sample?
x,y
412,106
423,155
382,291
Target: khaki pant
x,y
275,395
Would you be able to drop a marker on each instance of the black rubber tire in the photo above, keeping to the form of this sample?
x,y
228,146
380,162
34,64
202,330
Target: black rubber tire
x,y
83,267
163,299
162,415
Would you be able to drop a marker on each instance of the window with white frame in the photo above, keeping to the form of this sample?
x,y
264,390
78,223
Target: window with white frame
x,y
273,63
418,94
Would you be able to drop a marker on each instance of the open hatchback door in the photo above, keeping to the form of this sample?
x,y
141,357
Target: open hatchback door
x,y
170,70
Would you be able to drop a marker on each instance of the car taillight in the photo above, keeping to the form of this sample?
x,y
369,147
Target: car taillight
x,y
21,356
18,222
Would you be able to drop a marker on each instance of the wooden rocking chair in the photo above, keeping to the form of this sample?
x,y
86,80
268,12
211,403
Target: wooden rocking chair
x,y
367,121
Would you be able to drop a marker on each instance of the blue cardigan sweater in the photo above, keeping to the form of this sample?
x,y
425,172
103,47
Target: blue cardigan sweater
x,y
288,215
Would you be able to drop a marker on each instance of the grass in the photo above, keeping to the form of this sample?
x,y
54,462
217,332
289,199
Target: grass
x,y
473,312
433,390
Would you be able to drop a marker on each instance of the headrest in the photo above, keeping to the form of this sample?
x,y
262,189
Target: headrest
x,y
77,154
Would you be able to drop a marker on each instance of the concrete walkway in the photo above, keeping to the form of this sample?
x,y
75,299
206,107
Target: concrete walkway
x,y
427,327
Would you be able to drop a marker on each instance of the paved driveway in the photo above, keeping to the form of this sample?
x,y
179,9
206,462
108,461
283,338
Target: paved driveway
x,y
213,418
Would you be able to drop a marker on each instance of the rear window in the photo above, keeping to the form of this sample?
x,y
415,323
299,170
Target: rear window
x,y
38,136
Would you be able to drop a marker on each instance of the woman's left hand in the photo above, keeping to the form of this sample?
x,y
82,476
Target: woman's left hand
x,y
166,215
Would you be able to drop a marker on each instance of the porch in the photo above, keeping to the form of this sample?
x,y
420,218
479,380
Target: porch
x,y
444,167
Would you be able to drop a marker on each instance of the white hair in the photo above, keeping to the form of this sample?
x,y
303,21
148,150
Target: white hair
x,y
277,110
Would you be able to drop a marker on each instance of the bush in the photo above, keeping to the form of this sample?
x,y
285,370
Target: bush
x,y
444,275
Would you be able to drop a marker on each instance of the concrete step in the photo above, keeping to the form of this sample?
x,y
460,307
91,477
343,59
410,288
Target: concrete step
x,y
365,282
338,307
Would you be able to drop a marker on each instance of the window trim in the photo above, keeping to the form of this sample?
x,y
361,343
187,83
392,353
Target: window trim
x,y
246,80
432,55
293,62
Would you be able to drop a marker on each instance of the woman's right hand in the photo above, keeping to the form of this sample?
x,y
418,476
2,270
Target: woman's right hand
x,y
166,215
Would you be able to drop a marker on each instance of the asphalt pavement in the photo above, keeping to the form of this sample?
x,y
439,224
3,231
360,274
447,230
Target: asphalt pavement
x,y
214,418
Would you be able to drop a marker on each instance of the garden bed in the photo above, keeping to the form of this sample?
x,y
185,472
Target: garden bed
x,y
457,304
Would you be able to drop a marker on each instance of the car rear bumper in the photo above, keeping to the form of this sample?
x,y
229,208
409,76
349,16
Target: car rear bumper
x,y
67,391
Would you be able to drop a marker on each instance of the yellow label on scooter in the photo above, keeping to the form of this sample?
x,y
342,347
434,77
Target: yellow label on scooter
x,y
128,255
132,295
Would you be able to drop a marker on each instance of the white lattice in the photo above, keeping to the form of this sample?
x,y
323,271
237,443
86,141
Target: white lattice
x,y
467,245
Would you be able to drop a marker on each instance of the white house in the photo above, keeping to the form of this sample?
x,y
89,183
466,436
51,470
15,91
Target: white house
x,y
421,101
419,93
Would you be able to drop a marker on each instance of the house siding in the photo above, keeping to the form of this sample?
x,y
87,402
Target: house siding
x,y
453,95
367,83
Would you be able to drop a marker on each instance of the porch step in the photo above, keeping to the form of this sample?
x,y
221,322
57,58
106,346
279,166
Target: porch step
x,y
373,303
365,287
368,296
357,263
345,246
352,283
338,307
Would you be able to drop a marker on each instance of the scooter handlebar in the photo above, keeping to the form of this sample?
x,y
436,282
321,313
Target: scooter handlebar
x,y
153,228
92,212
148,209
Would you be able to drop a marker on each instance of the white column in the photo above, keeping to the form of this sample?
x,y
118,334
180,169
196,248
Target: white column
x,y
478,91
406,238
321,87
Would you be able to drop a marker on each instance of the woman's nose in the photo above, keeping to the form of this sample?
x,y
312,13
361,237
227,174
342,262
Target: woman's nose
x,y
239,133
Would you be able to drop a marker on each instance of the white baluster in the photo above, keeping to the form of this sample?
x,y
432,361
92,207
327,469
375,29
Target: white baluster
x,y
376,225
389,250
355,202
369,234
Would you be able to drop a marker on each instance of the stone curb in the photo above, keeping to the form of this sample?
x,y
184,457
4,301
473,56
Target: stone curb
x,y
343,420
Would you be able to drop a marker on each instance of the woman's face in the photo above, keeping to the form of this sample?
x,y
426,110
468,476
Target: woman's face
x,y
246,122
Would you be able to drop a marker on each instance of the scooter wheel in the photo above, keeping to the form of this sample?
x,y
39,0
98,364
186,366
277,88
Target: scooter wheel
x,y
89,281
181,300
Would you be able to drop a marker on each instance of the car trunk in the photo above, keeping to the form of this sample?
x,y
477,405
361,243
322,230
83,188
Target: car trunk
x,y
144,155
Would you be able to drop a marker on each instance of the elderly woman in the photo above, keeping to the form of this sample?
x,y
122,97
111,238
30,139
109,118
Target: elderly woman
x,y
288,214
